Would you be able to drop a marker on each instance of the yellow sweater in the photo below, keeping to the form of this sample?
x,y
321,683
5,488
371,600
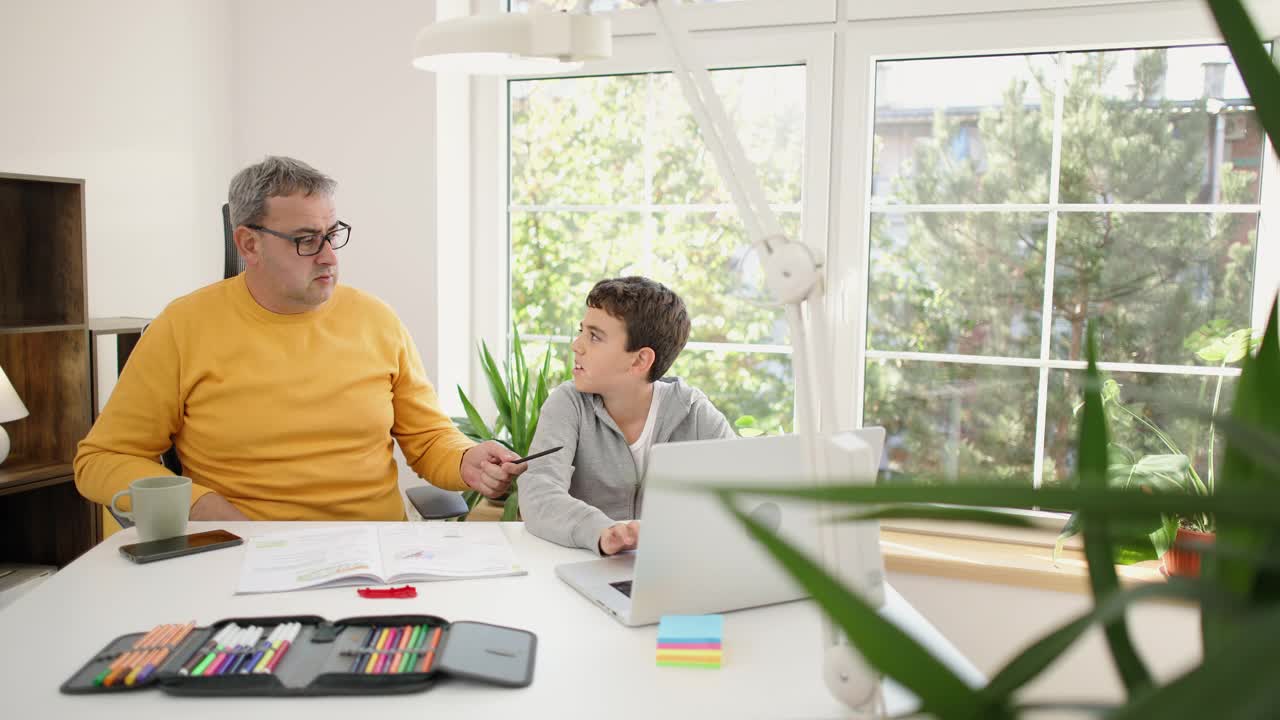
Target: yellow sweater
x,y
289,417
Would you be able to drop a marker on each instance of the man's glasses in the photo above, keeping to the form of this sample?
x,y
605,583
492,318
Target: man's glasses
x,y
308,245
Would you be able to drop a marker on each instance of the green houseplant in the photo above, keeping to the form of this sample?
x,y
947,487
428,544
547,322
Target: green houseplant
x,y
518,392
1238,591
1169,470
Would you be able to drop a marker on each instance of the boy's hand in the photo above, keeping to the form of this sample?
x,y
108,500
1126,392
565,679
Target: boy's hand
x,y
617,538
486,468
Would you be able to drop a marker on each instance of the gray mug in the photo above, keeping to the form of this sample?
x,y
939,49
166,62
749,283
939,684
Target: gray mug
x,y
160,506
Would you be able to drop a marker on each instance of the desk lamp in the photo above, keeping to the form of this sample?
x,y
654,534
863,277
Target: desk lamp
x,y
548,41
11,408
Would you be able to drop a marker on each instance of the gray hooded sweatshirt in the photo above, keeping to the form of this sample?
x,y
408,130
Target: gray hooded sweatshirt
x,y
571,496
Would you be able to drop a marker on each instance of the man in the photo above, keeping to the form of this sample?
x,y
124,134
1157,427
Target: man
x,y
282,391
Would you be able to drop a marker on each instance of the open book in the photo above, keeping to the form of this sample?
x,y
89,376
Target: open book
x,y
362,554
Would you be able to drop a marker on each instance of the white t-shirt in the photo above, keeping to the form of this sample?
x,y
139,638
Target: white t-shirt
x,y
640,448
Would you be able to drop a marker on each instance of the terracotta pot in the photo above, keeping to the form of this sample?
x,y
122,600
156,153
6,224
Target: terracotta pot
x,y
1181,560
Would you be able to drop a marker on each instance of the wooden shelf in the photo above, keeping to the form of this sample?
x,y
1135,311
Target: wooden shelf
x,y
42,271
16,475
50,372
20,329
44,350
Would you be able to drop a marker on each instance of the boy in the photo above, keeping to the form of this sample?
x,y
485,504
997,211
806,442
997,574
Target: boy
x,y
589,494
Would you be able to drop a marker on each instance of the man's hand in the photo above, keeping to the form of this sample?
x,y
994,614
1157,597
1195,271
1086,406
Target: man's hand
x,y
487,468
623,536
212,506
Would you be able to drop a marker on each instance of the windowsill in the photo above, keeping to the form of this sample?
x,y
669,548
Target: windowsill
x,y
1021,563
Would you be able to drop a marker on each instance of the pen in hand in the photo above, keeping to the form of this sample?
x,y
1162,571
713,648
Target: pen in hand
x,y
535,456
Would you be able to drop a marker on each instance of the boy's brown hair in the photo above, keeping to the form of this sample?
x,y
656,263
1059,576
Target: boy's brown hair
x,y
653,314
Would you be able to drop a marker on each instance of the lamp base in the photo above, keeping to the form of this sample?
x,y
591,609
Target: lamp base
x,y
4,445
852,681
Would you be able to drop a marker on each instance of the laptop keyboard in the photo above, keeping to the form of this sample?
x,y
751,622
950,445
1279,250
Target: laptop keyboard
x,y
622,586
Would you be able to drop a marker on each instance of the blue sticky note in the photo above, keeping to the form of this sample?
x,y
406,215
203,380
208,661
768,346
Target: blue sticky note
x,y
691,628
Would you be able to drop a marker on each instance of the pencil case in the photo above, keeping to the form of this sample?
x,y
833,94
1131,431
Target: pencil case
x,y
380,654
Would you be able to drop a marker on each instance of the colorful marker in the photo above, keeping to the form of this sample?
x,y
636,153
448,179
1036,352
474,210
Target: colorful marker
x,y
227,634
361,657
405,633
431,653
206,651
284,646
255,661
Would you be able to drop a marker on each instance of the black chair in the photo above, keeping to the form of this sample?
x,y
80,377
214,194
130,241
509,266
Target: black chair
x,y
433,503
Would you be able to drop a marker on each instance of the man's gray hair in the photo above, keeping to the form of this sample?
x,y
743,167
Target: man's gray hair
x,y
275,176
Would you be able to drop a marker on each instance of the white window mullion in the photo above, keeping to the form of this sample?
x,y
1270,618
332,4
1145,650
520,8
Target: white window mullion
x,y
650,231
1050,259
674,209
857,128
1053,364
760,349
901,208
1266,274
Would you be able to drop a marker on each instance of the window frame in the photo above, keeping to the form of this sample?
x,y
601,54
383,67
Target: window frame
x,y
848,37
1055,30
790,45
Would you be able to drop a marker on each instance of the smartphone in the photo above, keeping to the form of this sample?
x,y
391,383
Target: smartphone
x,y
151,550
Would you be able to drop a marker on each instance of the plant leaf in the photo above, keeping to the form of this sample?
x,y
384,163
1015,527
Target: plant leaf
x,y
1040,654
1256,507
1236,680
1256,442
882,644
1132,539
1069,530
1163,537
472,498
1256,68
540,394
1256,405
497,388
477,423
1227,350
511,509
1098,550
465,427
939,512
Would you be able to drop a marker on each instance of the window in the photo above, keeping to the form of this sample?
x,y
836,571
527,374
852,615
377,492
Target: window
x,y
977,204
610,177
1017,197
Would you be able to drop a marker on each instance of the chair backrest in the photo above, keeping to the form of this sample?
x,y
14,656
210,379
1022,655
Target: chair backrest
x,y
434,503
232,264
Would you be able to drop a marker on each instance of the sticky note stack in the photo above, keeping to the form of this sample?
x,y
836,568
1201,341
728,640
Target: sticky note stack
x,y
690,641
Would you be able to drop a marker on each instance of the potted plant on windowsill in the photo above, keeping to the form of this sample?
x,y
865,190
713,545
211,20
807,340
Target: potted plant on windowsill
x,y
1176,539
518,393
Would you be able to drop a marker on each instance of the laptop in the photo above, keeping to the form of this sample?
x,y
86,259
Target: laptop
x,y
695,558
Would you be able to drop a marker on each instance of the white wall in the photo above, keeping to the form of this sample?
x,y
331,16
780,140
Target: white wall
x,y
991,623
134,96
329,82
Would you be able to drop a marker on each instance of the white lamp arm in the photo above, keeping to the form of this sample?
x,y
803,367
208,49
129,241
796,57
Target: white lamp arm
x,y
794,274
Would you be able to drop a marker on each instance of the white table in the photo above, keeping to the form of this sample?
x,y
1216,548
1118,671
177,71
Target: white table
x,y
588,665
